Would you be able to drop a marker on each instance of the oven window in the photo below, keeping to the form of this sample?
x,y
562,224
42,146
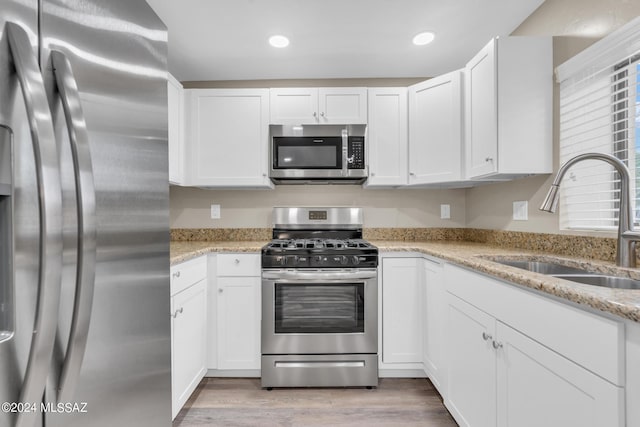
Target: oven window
x,y
319,308
307,157
307,153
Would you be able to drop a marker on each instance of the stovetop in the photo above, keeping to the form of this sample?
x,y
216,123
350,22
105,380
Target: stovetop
x,y
319,253
318,243
312,237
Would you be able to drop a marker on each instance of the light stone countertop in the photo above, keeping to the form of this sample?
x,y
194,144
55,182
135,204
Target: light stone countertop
x,y
620,302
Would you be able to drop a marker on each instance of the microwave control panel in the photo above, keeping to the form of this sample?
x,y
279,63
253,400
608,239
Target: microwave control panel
x,y
355,152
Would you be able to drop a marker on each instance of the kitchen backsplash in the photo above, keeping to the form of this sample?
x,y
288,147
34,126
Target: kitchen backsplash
x,y
602,248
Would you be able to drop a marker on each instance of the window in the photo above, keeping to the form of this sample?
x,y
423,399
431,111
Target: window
x,y
600,112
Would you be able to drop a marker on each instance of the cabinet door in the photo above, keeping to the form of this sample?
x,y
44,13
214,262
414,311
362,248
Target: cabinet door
x,y
481,137
294,106
229,132
175,98
346,105
239,322
188,342
401,320
435,136
434,309
538,387
471,367
387,140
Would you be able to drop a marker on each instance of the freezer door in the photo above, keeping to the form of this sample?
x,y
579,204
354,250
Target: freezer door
x,y
116,51
30,220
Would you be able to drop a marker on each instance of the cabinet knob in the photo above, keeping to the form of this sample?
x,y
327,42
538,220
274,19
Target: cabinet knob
x,y
178,311
489,159
315,114
220,290
497,345
486,336
412,173
176,274
237,261
264,175
373,174
322,114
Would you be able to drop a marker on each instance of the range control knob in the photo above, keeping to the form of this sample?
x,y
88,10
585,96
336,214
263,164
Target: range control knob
x,y
344,260
292,260
280,259
318,259
355,260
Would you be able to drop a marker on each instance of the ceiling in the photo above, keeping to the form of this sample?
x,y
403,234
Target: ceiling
x,y
227,39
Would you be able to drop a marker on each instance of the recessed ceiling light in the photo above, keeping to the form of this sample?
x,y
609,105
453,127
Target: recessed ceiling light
x,y
278,41
423,38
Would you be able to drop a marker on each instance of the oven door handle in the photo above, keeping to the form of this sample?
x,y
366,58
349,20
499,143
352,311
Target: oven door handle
x,y
319,275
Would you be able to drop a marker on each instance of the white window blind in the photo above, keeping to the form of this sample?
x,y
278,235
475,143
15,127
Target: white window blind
x,y
600,112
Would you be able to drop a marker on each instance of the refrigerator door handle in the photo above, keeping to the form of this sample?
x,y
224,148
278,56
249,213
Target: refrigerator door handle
x,y
86,208
50,214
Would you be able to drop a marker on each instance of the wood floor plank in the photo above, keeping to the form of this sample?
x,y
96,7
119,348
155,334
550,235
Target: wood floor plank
x,y
241,402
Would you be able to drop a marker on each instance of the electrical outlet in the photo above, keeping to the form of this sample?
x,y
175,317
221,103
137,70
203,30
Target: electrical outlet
x,y
521,210
445,211
215,211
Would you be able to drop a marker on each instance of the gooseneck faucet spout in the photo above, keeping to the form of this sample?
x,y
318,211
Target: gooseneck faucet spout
x,y
625,256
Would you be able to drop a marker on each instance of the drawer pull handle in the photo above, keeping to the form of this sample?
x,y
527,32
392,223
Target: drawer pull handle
x,y
497,345
486,336
178,311
176,274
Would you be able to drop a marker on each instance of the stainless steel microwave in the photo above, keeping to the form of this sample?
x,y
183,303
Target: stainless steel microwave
x,y
319,154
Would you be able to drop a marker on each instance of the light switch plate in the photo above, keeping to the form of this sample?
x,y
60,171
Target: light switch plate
x,y
215,211
445,211
521,210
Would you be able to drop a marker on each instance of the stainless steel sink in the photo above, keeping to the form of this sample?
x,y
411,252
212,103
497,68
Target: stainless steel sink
x,y
573,274
602,280
542,267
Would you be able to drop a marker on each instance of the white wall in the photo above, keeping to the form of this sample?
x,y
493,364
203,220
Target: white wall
x,y
190,207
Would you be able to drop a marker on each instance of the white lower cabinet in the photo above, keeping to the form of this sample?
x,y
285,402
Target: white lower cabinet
x,y
499,376
471,382
401,314
188,329
531,377
236,312
238,323
434,323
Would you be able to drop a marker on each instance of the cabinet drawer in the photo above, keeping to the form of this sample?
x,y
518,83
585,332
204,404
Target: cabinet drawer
x,y
188,273
238,265
587,339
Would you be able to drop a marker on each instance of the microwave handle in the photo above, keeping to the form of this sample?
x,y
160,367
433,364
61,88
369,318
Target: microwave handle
x,y
345,152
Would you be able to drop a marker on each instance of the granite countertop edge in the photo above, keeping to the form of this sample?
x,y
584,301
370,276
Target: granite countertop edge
x,y
481,257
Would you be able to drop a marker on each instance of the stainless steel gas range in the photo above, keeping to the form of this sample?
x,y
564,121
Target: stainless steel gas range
x,y
319,300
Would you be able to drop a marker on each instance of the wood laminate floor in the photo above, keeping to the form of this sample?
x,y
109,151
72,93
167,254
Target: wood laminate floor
x,y
241,402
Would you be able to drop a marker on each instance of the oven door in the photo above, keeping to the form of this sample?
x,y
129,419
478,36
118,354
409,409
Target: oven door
x,y
319,312
308,157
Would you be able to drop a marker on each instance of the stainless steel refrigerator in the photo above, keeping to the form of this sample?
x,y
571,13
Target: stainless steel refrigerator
x,y
84,227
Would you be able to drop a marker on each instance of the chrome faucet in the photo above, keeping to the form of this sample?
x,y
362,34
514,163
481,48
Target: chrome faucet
x,y
627,237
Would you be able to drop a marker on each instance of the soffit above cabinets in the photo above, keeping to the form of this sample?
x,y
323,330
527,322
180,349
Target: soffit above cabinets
x,y
228,39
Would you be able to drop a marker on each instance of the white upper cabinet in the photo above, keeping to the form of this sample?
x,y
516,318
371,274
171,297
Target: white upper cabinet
x,y
175,98
435,130
387,137
295,106
228,138
508,109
